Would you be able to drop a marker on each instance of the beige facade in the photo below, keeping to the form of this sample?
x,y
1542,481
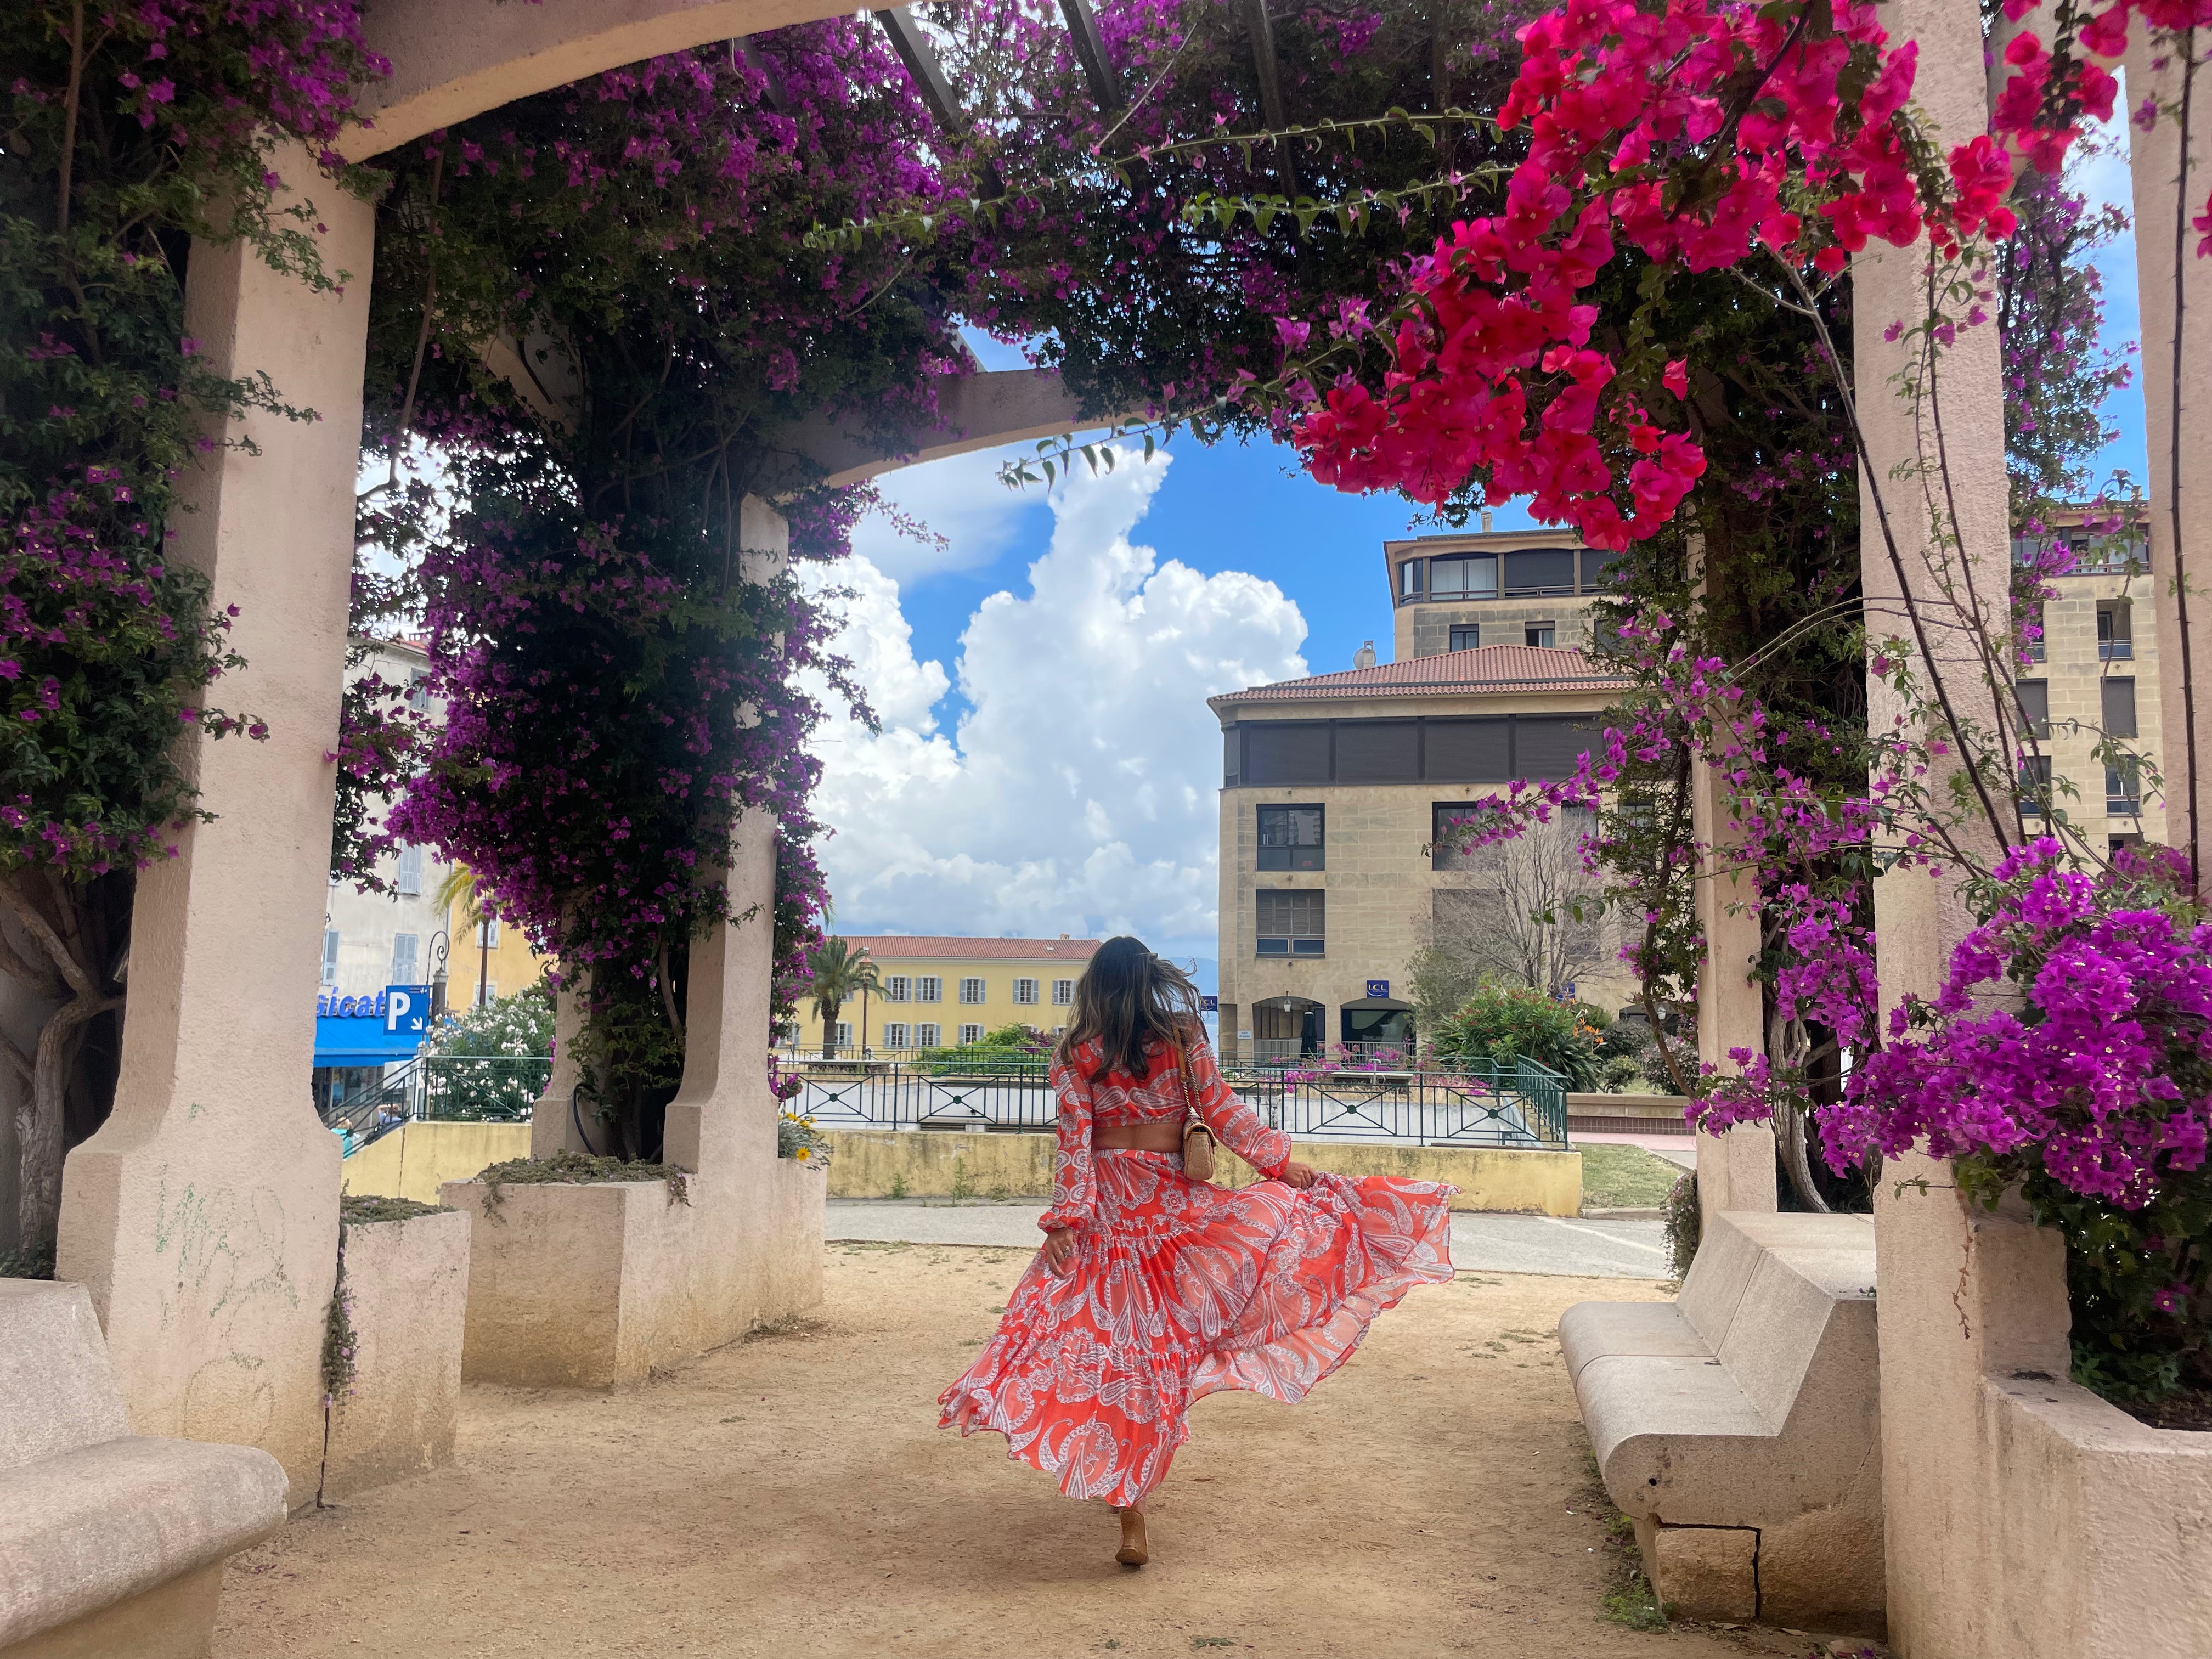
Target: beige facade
x,y
1509,587
2098,677
1318,956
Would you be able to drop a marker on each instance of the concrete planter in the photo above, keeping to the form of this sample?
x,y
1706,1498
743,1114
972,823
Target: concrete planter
x,y
2026,1517
592,1286
407,1282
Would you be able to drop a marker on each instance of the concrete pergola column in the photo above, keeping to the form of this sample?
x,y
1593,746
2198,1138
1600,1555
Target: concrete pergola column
x,y
1949,1588
204,1215
2177,357
1735,1169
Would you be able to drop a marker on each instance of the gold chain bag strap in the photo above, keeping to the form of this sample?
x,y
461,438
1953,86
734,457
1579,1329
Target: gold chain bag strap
x,y
1197,1138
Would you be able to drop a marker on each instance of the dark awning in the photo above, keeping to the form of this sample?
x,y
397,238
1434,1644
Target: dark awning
x,y
1363,1004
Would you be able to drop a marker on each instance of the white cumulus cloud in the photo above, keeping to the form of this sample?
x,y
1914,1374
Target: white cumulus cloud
x,y
1078,794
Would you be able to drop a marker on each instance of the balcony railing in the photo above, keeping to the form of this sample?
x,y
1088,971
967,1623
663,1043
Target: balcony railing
x,y
1522,1104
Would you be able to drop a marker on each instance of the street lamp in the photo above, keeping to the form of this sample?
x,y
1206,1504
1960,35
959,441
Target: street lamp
x,y
441,947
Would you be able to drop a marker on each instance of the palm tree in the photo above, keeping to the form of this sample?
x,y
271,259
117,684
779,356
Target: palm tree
x,y
841,972
461,891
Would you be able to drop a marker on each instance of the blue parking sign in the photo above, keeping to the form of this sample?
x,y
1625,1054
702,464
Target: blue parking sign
x,y
407,1009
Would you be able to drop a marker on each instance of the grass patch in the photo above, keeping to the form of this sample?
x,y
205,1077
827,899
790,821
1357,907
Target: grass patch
x,y
1626,1178
359,1209
1629,1599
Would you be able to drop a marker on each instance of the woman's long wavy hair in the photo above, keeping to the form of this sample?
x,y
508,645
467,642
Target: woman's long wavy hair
x,y
1126,999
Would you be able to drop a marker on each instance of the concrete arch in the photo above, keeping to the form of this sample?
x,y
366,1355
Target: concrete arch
x,y
451,61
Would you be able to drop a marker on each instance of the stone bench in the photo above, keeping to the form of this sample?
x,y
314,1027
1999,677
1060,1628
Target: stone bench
x,y
1739,1426
112,1544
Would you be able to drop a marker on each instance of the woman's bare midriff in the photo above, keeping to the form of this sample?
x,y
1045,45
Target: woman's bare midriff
x,y
1138,1136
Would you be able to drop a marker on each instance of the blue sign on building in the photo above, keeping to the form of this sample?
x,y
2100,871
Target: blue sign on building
x,y
1378,988
383,1029
1209,1005
407,1009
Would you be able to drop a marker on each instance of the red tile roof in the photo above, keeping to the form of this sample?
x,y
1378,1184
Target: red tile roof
x,y
1486,668
912,947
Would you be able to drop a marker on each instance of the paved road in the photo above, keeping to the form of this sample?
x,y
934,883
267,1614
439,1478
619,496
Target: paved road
x,y
1491,1244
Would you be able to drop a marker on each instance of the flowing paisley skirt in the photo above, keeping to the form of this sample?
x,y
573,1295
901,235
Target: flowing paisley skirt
x,y
1180,1288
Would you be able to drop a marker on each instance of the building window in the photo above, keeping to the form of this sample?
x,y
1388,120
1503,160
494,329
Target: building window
x,y
2123,789
1290,838
1464,576
418,688
1025,990
844,1038
970,1034
1409,578
402,958
486,993
1291,923
1063,993
488,932
1467,637
330,956
2034,630
929,988
971,990
894,1035
2120,709
2115,631
1448,820
2034,699
926,1035
410,881
1540,634
895,988
2035,786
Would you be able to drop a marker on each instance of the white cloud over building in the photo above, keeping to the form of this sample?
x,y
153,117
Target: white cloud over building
x,y
1078,792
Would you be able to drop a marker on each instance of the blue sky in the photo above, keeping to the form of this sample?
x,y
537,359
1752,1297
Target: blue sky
x,y
1047,764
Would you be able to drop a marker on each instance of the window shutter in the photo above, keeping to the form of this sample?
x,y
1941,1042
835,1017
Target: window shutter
x,y
1377,751
2120,709
1286,751
1541,570
2034,699
1468,752
1544,746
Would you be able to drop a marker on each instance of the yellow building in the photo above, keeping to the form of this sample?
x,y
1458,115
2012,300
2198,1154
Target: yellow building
x,y
943,992
484,960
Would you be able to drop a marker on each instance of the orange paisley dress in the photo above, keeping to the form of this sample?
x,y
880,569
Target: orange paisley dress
x,y
1181,1287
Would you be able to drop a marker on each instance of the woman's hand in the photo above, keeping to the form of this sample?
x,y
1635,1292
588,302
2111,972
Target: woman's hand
x,y
1297,1174
1060,1250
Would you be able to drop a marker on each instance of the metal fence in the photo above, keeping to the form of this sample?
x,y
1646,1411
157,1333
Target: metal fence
x,y
1481,1104
443,1088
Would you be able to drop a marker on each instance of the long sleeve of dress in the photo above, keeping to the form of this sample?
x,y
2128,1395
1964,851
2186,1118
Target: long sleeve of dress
x,y
1236,1125
1074,1182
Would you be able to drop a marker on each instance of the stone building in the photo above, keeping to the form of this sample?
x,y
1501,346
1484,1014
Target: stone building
x,y
2094,674
1338,795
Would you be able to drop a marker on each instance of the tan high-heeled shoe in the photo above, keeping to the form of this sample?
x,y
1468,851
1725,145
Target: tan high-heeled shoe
x,y
1133,1552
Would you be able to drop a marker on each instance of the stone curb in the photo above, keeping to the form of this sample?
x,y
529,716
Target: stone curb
x,y
1624,1215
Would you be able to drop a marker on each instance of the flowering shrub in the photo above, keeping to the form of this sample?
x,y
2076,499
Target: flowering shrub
x,y
616,662
497,1034
1502,1022
120,132
796,1137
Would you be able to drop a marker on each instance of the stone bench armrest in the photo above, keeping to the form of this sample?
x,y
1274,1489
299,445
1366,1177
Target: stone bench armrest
x,y
84,1530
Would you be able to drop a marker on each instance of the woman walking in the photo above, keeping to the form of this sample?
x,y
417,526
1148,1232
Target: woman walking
x,y
1154,1289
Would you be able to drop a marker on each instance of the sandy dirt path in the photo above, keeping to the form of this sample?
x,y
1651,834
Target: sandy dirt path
x,y
791,1496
